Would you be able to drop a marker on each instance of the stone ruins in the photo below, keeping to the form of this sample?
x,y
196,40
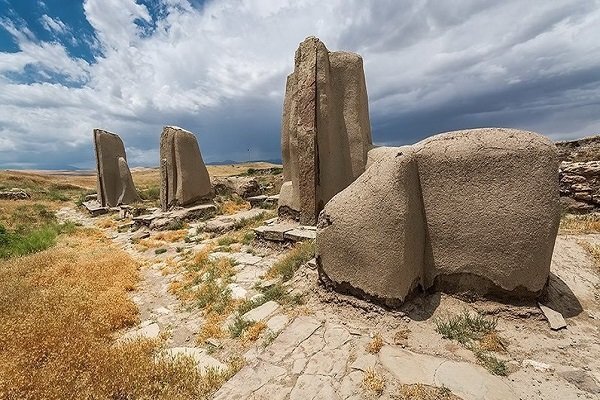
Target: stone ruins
x,y
114,184
184,177
466,211
326,132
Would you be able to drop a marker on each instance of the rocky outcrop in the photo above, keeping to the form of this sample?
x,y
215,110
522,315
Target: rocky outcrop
x,y
184,177
580,150
326,133
580,186
467,211
114,184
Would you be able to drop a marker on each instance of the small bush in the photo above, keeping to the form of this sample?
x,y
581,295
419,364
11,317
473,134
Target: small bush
x,y
373,381
423,392
160,251
375,344
289,264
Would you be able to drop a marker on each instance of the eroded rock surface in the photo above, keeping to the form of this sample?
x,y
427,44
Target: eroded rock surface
x,y
473,210
114,184
184,177
326,132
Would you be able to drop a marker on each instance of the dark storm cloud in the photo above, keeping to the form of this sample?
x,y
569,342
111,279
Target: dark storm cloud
x,y
219,71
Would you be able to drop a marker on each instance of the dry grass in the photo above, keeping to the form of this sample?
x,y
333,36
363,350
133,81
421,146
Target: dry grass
x,y
574,224
373,382
14,213
401,336
423,392
59,312
106,222
229,207
375,344
477,334
204,285
492,342
252,333
594,251
291,261
170,236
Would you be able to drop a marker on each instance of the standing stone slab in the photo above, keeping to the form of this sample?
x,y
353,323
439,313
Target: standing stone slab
x,y
184,177
326,132
114,183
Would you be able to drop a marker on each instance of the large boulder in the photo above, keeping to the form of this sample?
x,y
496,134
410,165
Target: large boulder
x,y
468,211
371,236
325,134
184,177
491,207
114,182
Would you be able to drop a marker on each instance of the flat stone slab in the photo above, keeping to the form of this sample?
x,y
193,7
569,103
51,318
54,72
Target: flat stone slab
x,y
555,319
237,292
204,362
468,381
277,323
238,257
301,233
262,312
228,222
275,232
95,208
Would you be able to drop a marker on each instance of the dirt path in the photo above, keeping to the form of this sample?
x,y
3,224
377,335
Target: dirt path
x,y
320,350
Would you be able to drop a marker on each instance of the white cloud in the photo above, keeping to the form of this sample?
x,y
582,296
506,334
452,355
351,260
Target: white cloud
x,y
220,71
53,25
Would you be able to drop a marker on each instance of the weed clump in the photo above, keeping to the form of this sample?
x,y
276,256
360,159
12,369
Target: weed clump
x,y
289,264
373,381
478,334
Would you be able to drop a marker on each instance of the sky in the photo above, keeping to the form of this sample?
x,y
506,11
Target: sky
x,y
218,69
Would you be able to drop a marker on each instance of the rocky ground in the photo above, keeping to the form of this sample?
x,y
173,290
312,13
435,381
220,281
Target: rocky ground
x,y
329,346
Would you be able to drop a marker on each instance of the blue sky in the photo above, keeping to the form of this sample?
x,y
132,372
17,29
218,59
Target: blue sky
x,y
218,68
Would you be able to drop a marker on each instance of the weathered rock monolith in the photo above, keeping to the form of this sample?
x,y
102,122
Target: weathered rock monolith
x,y
326,133
114,184
184,177
467,211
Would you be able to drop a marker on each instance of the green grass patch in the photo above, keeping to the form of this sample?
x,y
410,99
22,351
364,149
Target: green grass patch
x,y
465,327
276,293
35,228
151,193
238,326
289,264
478,334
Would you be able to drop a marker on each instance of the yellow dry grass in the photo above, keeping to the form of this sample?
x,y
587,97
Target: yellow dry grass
x,y
106,222
373,381
375,344
59,312
594,251
229,207
492,342
252,333
170,236
423,392
574,224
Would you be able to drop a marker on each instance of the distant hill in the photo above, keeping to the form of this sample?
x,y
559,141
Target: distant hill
x,y
231,162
